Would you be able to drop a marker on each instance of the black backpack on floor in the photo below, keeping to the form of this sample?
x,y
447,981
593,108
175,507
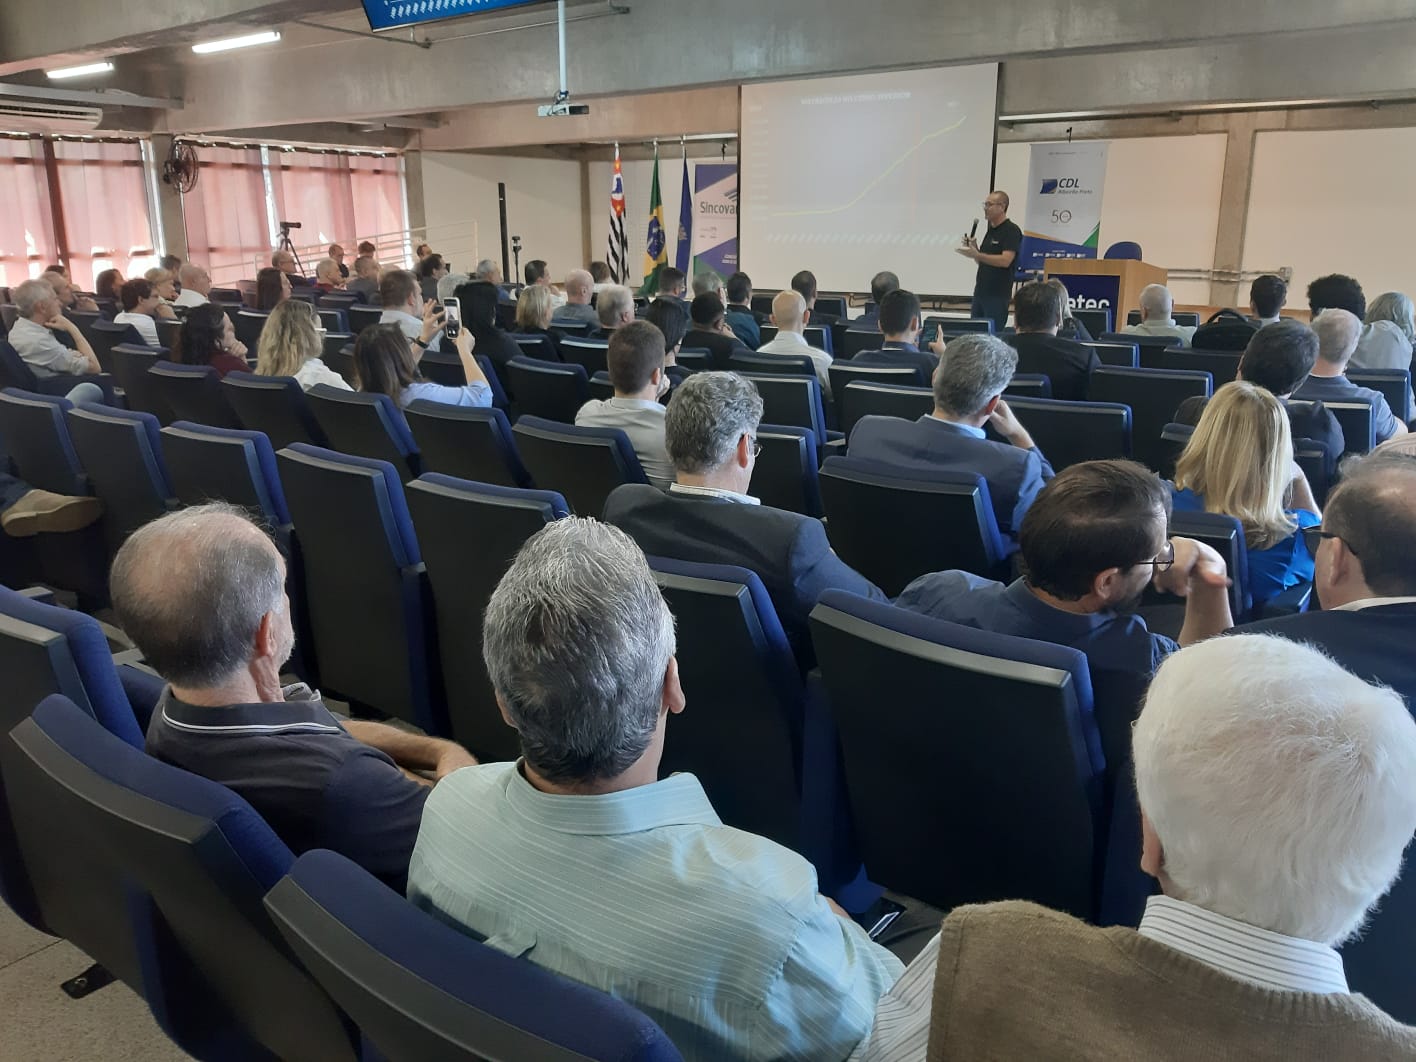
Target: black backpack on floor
x,y
1226,330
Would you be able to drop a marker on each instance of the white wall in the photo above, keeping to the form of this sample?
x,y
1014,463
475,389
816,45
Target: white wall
x,y
1334,202
542,206
1162,192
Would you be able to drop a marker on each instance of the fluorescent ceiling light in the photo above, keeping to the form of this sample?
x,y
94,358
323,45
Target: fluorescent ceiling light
x,y
79,71
228,43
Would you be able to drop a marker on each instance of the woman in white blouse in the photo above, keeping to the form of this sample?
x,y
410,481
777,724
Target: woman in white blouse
x,y
290,346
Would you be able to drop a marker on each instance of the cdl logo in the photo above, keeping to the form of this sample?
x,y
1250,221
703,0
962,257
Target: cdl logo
x,y
1051,185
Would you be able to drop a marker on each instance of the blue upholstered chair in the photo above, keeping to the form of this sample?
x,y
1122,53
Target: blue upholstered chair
x,y
421,990
590,354
1153,395
131,362
785,475
275,405
582,464
467,442
368,425
872,399
36,436
193,392
207,463
1125,249
121,451
793,398
548,389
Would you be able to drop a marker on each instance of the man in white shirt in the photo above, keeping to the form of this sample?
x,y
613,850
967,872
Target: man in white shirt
x,y
402,302
579,286
1276,800
790,315
538,272
140,303
636,363
601,276
1156,319
196,285
33,335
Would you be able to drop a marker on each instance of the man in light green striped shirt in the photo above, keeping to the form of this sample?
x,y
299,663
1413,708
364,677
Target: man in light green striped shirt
x,y
578,858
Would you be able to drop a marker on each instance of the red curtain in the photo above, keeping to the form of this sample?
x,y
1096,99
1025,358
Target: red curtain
x,y
315,190
378,195
227,227
27,241
105,209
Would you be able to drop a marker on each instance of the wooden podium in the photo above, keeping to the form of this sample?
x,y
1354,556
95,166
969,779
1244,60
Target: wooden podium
x,y
1105,283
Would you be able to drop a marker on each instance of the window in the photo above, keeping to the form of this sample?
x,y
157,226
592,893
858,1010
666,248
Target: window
x,y
27,241
104,209
228,229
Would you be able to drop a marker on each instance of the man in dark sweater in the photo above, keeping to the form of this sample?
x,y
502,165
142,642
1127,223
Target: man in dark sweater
x,y
898,317
1038,310
1365,575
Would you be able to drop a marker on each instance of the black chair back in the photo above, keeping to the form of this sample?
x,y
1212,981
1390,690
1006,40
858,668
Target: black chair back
x,y
121,451
1121,355
9,314
1222,365
1096,322
949,517
360,317
1312,458
449,514
548,390
1394,385
131,362
537,346
601,388
590,354
275,405
792,399
248,325
1071,432
1358,425
854,340
581,464
773,364
1225,536
169,332
1030,385
193,392
842,374
1144,342
882,400
366,425
471,444
1153,395
1173,440
224,464
35,435
785,475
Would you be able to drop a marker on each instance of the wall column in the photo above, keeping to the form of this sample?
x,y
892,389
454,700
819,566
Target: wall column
x,y
169,201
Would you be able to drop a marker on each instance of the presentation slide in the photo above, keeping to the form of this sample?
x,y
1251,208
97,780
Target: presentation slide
x,y
847,176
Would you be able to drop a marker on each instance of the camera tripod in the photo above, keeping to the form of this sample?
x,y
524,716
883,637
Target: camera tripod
x,y
286,245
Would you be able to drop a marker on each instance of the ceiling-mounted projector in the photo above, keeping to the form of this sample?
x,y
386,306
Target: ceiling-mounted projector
x,y
561,107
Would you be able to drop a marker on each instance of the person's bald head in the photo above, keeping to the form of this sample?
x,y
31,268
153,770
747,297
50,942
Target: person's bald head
x,y
194,278
789,311
193,589
284,261
579,285
1371,521
327,272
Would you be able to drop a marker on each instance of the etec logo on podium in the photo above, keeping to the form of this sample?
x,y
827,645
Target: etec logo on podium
x,y
391,14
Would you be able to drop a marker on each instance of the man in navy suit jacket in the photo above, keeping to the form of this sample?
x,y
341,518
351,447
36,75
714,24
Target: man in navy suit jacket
x,y
1365,575
706,515
968,394
898,319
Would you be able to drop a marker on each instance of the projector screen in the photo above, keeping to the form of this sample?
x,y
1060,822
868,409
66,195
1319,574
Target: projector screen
x,y
847,176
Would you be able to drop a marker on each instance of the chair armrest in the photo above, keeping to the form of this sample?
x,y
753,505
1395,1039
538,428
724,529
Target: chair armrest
x,y
42,594
835,447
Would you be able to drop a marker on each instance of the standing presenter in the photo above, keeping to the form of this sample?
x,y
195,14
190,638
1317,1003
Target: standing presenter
x,y
995,257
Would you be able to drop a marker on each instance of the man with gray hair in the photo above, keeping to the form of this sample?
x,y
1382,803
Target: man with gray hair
x,y
1156,320
968,385
1338,332
285,262
1276,799
710,430
34,339
614,308
709,282
366,279
581,859
491,272
579,287
196,285
202,593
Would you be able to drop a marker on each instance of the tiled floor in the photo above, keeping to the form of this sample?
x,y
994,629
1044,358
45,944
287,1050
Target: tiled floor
x,y
39,1023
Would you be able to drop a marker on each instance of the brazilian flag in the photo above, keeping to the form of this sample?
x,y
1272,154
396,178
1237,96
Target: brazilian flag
x,y
656,245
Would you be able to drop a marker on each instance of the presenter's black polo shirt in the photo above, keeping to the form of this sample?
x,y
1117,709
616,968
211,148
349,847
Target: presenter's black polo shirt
x,y
998,280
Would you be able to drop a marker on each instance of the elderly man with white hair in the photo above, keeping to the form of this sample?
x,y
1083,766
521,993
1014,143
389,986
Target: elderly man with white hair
x,y
34,339
1156,320
1338,332
196,285
614,308
579,287
1277,794
490,272
582,859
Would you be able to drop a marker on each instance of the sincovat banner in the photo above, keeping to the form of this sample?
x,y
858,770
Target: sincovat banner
x,y
715,220
1065,183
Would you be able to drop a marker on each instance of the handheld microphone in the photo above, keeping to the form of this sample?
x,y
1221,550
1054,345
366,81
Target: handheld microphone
x,y
974,231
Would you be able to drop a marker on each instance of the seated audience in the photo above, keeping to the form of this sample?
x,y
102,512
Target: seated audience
x,y
367,249
1038,309
534,309
26,512
706,515
479,316
708,282
880,285
140,305
366,280
1092,541
320,781
791,316
1364,574
170,262
108,285
1338,332
804,284
1267,294
672,283
579,858
207,338
710,331
386,363
422,251
579,288
600,273
35,341
739,313
328,277
272,288
1278,358
1157,308
968,394
1336,291
1276,799
897,316
430,270
164,283
669,316
1239,462
614,306
404,306
196,286
290,346
490,273
285,262
69,299
1388,335
636,362
336,254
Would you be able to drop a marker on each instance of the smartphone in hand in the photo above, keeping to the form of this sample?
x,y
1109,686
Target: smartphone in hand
x,y
452,310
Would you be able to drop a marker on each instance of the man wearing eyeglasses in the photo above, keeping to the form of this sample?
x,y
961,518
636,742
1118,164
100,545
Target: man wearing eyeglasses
x,y
997,258
1092,542
1364,574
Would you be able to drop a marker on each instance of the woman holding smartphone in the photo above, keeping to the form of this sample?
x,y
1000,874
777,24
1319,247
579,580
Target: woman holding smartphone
x,y
385,362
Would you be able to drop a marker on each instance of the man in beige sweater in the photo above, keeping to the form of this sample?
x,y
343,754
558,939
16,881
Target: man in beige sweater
x,y
1277,794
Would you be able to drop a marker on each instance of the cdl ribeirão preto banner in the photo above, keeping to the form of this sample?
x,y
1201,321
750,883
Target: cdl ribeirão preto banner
x,y
1065,184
